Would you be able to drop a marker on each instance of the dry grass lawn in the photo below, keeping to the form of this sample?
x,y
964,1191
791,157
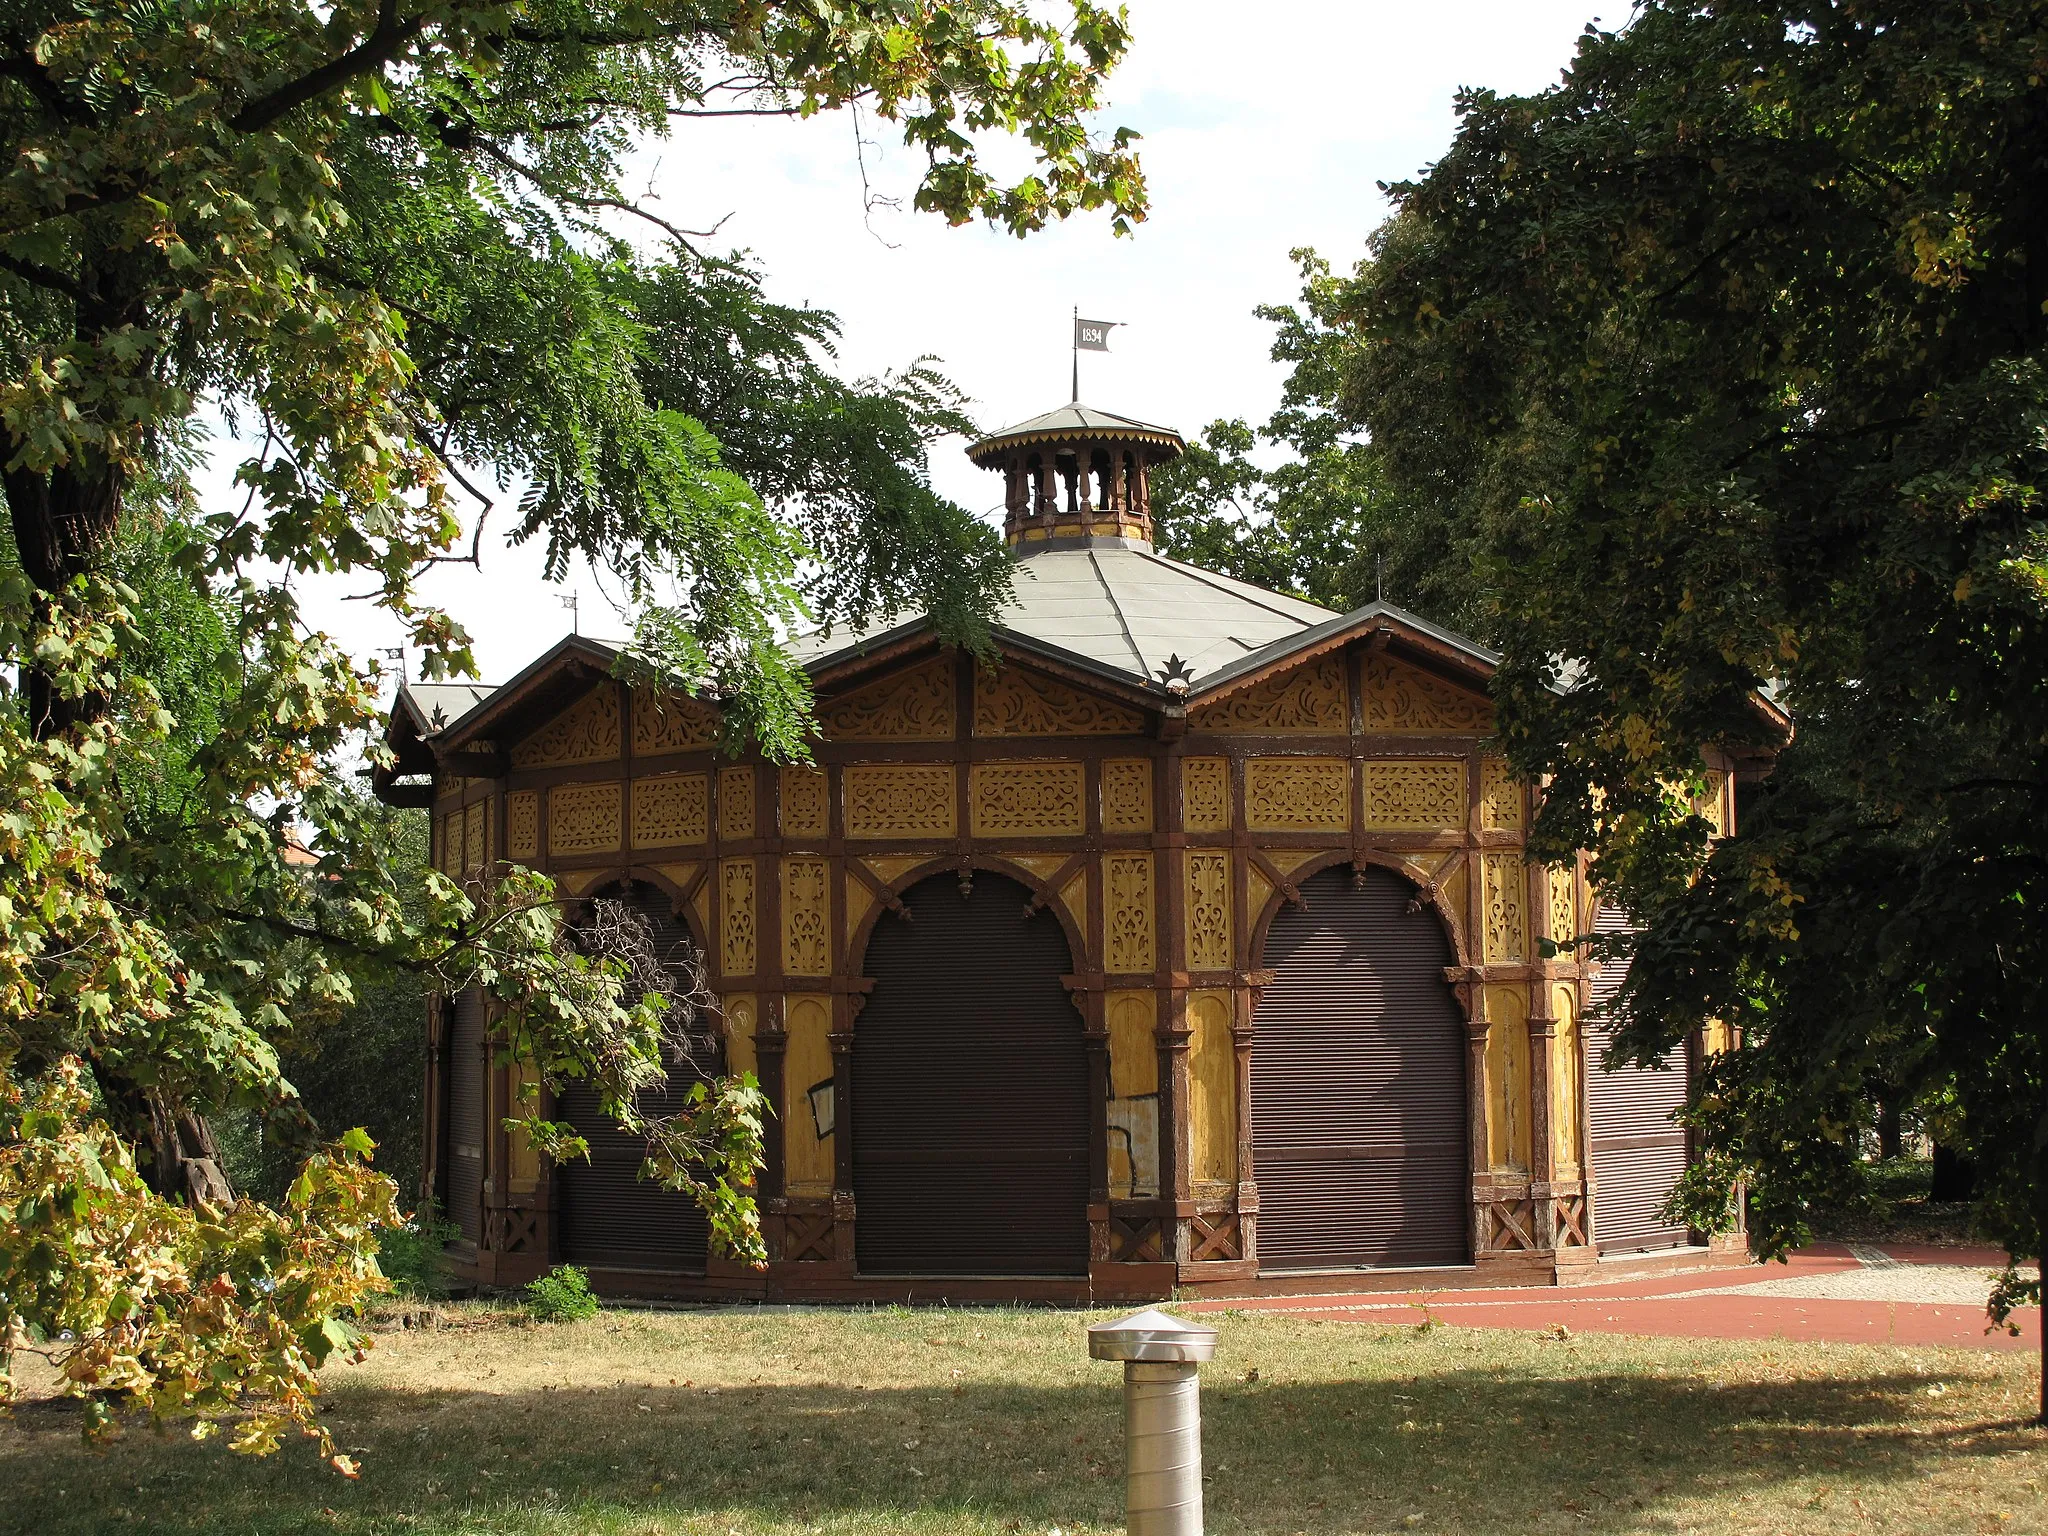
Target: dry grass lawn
x,y
749,1422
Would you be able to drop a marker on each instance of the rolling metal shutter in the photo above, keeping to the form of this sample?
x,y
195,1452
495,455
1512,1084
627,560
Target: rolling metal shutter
x,y
1638,1153
1359,1127
605,1213
970,1091
464,1065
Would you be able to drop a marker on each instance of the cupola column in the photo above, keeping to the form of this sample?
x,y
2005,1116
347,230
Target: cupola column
x,y
1077,476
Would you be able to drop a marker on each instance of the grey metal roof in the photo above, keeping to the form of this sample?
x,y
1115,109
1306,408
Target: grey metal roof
x,y
1076,420
440,705
1128,610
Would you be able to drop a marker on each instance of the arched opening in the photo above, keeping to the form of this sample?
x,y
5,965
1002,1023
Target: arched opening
x,y
1639,1152
1359,1129
606,1214
969,1113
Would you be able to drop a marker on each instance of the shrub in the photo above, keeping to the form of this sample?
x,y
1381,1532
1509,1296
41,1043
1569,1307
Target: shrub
x,y
562,1295
410,1256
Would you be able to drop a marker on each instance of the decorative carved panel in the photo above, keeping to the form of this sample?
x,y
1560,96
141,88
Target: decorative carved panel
x,y
670,809
1507,917
805,808
1127,794
1127,920
1297,794
806,935
449,786
1710,805
735,803
1564,927
671,723
1310,698
1205,794
1404,698
1015,703
911,706
475,838
1500,795
1025,799
522,824
1413,794
583,818
1208,911
586,732
451,844
737,947
899,800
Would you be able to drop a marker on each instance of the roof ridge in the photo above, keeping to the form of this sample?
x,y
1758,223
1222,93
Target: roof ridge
x,y
1122,622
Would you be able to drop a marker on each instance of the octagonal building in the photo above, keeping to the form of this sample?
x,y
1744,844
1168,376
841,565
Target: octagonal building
x,y
1190,946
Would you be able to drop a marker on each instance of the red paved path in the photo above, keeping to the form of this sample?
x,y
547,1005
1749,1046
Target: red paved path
x,y
1656,1306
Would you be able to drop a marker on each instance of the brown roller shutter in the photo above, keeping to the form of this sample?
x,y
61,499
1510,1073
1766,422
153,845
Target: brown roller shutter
x,y
969,1112
1359,1126
1639,1155
465,1163
605,1213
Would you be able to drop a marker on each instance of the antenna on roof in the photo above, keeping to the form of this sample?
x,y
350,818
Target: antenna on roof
x,y
568,601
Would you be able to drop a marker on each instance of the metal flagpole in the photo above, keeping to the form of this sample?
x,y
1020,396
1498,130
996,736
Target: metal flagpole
x,y
1076,396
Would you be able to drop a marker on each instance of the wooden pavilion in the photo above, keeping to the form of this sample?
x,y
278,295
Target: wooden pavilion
x,y
1191,946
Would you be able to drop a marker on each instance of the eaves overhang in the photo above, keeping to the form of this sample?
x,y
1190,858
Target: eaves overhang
x,y
547,685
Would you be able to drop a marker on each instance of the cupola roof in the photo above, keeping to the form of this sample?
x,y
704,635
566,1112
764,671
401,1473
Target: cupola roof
x,y
1073,420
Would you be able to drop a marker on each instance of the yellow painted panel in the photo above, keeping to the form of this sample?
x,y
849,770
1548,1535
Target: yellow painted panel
x,y
741,1014
1133,1094
1043,865
523,1177
1212,1099
858,899
886,870
1288,860
1507,1078
1564,1084
1133,1044
806,1064
1074,896
578,882
1717,1037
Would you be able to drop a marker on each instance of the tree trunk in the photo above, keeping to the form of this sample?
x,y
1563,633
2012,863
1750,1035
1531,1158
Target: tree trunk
x,y
1955,1177
63,523
1891,1140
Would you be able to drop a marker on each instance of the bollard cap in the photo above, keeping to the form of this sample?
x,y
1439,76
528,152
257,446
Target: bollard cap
x,y
1151,1335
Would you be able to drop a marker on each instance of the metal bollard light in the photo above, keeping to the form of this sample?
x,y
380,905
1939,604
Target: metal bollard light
x,y
1162,1418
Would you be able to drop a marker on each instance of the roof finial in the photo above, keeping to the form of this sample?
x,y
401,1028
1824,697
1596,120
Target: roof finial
x,y
1379,577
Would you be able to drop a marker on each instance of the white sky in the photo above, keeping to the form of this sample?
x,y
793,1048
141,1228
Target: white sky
x,y
1263,131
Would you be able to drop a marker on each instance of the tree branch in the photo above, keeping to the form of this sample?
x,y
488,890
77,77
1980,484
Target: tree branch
x,y
386,41
681,236
44,277
37,82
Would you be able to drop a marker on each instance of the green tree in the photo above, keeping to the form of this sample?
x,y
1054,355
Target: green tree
x,y
1325,522
387,239
1732,345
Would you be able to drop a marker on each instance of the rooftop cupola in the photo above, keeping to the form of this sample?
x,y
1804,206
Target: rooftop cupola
x,y
1077,476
